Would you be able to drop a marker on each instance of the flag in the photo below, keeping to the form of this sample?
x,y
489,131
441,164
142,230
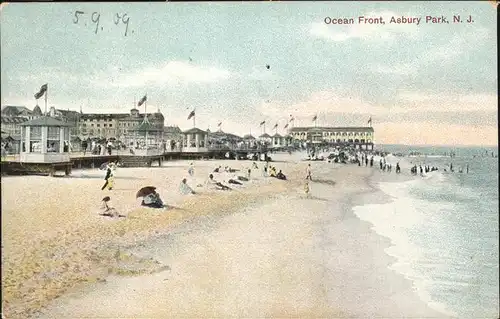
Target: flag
x,y
220,123
141,102
286,126
275,126
370,120
42,91
291,118
191,114
262,123
315,118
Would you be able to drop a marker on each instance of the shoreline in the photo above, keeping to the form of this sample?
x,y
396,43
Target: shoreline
x,y
332,304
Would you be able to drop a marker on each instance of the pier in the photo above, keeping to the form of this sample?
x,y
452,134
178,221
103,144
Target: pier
x,y
13,165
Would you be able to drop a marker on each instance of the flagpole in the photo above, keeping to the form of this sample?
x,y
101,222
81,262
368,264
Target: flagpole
x,y
194,119
46,93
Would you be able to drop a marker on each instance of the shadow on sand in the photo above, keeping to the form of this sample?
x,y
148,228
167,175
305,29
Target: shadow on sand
x,y
324,182
101,177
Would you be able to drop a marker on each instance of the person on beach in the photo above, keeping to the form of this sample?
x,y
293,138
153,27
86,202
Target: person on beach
x,y
254,166
107,210
191,170
217,169
152,200
109,147
272,171
184,188
109,177
307,189
308,172
84,146
217,185
281,176
398,168
371,161
233,181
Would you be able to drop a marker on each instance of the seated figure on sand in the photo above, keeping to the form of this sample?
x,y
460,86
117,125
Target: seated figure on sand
x,y
215,184
272,171
217,169
307,189
234,180
152,200
185,189
107,210
280,175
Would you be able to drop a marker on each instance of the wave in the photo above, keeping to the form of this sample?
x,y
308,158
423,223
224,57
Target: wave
x,y
427,222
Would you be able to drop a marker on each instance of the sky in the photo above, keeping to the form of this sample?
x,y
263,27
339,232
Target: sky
x,y
432,83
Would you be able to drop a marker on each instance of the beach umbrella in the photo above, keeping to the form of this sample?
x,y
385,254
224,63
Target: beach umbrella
x,y
145,191
104,166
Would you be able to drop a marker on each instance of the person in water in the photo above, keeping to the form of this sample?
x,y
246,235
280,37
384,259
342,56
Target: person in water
x,y
152,200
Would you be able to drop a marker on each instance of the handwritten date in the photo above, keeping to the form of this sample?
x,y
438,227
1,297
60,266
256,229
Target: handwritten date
x,y
95,17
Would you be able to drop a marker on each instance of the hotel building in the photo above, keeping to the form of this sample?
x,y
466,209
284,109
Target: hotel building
x,y
359,137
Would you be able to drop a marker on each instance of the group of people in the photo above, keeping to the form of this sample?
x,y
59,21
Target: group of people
x,y
97,148
414,170
153,199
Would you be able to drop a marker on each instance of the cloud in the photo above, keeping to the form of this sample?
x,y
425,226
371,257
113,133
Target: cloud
x,y
413,133
319,102
428,102
344,106
367,32
396,69
448,53
172,72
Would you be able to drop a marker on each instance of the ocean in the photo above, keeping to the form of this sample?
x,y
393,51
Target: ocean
x,y
443,228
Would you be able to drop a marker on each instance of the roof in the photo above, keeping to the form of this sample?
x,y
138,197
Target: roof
x,y
333,129
265,135
221,134
249,137
147,127
194,130
172,129
37,110
15,110
45,121
13,119
277,135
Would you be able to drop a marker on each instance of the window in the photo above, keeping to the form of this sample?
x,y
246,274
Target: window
x,y
92,124
53,133
110,125
98,125
105,125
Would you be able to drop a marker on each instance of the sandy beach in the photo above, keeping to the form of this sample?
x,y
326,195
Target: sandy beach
x,y
262,250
